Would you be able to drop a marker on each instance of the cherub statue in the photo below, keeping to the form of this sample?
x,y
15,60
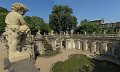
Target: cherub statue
x,y
16,27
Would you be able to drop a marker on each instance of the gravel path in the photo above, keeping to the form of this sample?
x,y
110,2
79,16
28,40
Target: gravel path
x,y
45,64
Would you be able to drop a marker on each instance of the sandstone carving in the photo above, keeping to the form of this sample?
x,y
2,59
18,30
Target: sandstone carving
x,y
38,34
16,32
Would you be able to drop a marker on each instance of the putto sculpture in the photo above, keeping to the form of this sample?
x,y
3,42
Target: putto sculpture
x,y
16,32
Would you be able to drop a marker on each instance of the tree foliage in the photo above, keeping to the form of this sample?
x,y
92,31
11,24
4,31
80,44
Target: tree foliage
x,y
2,22
36,23
3,13
87,26
61,19
3,10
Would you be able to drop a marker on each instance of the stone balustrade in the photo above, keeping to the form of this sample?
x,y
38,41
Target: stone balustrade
x,y
94,43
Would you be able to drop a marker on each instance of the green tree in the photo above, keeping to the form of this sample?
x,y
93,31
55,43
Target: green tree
x,y
61,19
36,23
3,10
45,28
3,13
2,22
87,26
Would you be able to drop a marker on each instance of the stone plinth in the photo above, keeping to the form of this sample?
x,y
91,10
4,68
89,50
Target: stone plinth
x,y
17,56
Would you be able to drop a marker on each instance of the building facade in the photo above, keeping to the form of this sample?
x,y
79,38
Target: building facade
x,y
110,28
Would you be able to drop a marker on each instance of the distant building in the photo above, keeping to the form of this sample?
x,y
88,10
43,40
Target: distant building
x,y
113,28
99,22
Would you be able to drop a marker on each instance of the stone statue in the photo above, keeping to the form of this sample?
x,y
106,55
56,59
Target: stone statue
x,y
104,31
93,33
52,32
29,37
38,34
85,32
64,33
67,33
16,32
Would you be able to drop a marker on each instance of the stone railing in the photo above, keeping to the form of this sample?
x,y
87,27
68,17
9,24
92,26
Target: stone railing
x,y
84,36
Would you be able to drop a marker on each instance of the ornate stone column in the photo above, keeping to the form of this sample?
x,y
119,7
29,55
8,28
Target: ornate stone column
x,y
68,44
85,45
72,44
78,44
97,47
93,47
103,47
61,44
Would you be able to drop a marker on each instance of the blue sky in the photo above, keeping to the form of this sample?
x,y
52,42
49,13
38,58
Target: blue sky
x,y
82,9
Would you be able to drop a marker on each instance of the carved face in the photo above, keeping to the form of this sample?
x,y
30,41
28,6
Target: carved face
x,y
19,8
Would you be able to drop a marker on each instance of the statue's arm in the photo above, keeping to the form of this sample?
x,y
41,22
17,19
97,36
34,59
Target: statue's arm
x,y
23,26
22,21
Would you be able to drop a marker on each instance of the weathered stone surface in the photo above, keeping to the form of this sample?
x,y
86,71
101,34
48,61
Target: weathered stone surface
x,y
16,32
85,45
93,47
17,56
26,65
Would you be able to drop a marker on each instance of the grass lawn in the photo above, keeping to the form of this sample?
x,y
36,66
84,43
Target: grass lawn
x,y
81,63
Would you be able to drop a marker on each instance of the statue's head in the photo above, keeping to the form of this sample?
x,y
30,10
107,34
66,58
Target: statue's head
x,y
19,8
